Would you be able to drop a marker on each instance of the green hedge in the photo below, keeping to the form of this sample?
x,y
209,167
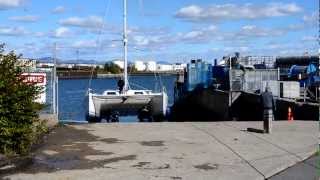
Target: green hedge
x,y
18,112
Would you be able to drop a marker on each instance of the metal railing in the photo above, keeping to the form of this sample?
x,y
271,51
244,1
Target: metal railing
x,y
252,60
252,80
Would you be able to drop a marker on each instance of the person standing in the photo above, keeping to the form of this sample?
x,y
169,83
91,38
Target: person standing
x,y
268,105
121,85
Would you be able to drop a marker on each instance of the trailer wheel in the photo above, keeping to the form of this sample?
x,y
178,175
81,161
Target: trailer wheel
x,y
144,114
91,119
114,117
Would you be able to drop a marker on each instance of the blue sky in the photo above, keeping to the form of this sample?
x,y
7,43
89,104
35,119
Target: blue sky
x,y
164,30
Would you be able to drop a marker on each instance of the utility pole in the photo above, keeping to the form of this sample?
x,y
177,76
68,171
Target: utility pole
x,y
125,46
78,58
319,50
54,93
230,86
230,72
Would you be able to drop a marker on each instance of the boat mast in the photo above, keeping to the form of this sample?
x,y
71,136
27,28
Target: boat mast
x,y
125,46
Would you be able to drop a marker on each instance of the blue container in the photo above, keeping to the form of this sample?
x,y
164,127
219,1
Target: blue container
x,y
204,75
209,75
198,74
191,77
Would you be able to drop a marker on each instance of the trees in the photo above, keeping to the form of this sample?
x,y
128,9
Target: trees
x,y
112,68
132,69
18,112
115,69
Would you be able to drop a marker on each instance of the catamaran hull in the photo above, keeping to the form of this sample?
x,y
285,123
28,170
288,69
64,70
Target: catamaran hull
x,y
101,106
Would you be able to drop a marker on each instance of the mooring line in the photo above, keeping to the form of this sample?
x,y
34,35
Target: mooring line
x,y
227,146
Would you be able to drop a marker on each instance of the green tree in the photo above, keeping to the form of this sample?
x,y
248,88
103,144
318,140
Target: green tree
x,y
112,68
132,69
18,111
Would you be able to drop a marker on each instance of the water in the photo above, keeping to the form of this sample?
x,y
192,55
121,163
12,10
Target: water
x,y
72,93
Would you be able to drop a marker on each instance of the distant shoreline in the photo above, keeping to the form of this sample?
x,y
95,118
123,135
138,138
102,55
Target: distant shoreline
x,y
102,76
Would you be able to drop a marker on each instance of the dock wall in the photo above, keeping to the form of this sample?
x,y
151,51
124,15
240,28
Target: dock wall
x,y
215,105
202,105
248,107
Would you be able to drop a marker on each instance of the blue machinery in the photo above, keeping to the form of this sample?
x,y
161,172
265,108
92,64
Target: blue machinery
x,y
198,75
306,75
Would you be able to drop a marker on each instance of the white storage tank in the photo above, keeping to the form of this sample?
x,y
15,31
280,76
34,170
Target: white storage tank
x,y
164,67
151,66
119,63
140,65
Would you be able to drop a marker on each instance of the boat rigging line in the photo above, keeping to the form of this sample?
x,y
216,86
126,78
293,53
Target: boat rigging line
x,y
106,12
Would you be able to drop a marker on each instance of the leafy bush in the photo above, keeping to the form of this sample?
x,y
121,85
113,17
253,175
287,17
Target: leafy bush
x,y
19,122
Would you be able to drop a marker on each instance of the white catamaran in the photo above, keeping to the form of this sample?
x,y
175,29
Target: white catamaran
x,y
112,103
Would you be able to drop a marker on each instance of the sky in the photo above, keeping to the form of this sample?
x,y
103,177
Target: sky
x,y
161,30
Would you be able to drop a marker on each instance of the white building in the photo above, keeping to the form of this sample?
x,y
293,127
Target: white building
x,y
179,66
45,65
87,65
140,65
164,67
119,63
28,63
151,66
69,66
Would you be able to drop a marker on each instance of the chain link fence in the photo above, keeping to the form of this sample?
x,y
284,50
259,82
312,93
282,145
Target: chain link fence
x,y
47,96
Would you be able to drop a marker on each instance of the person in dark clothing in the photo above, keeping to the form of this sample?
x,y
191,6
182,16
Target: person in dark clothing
x,y
121,85
268,105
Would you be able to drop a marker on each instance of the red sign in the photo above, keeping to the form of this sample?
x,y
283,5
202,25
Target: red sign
x,y
39,79
34,78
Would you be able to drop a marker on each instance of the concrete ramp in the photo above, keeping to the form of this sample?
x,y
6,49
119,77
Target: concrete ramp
x,y
211,150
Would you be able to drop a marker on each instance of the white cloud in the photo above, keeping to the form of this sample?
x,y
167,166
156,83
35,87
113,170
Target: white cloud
x,y
58,10
290,47
245,33
254,31
311,19
217,13
244,49
147,30
85,44
39,34
193,34
148,38
9,4
85,22
26,18
274,46
232,49
62,32
310,38
141,40
13,31
192,11
199,35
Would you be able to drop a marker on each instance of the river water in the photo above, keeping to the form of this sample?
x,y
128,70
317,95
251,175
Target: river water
x,y
72,104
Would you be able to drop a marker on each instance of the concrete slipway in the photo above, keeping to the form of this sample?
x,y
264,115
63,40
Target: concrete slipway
x,y
210,150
